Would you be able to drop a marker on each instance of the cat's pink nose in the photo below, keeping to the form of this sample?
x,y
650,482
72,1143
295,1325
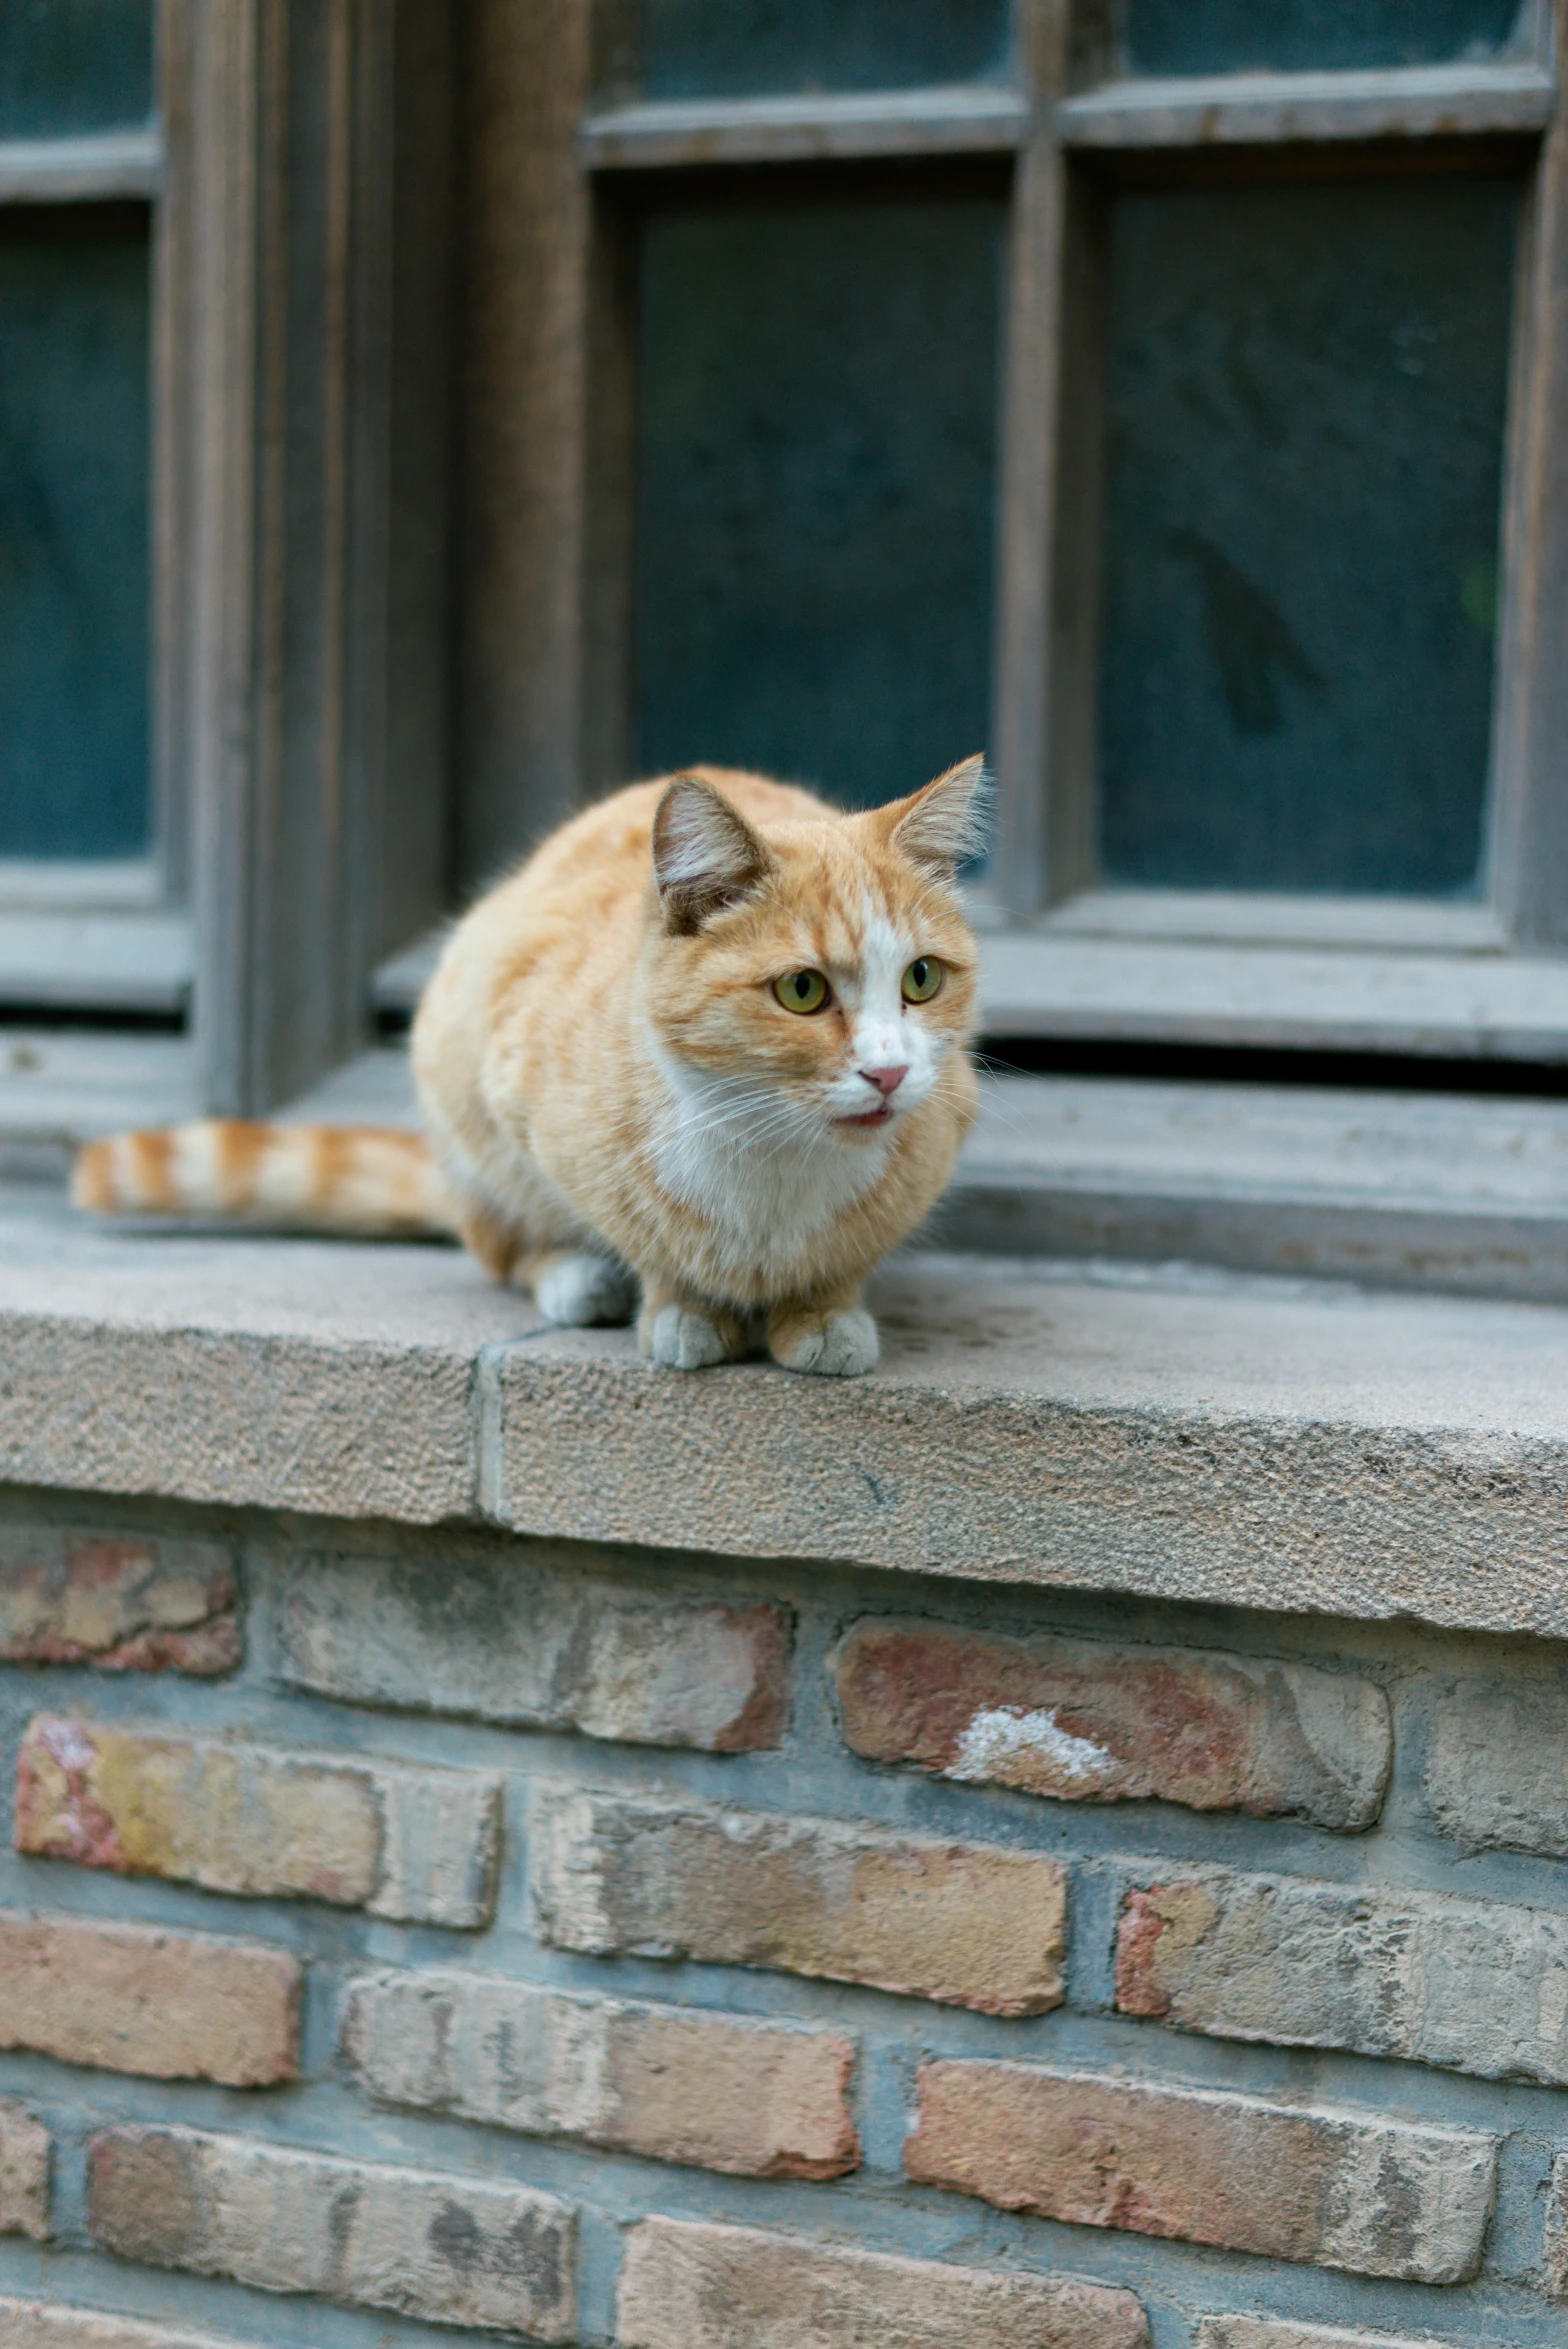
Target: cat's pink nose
x,y
886,1080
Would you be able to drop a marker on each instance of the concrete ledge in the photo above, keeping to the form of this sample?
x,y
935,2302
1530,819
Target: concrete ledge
x,y
1197,1436
1420,1191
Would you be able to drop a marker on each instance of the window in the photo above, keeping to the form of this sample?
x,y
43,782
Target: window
x,y
816,437
90,841
1157,389
512,396
1305,405
225,249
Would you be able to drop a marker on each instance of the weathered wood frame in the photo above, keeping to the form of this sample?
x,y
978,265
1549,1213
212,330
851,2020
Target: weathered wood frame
x,y
299,172
305,628
562,468
395,480
114,932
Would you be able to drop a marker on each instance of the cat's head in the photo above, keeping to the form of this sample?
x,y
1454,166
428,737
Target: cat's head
x,y
819,968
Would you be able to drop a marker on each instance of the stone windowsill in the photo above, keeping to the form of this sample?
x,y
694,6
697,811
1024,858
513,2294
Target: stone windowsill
x,y
1196,1436
1402,1190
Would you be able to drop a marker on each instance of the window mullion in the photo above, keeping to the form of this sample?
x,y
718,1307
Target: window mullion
x,y
1531,834
1039,831
95,167
1255,109
283,558
971,119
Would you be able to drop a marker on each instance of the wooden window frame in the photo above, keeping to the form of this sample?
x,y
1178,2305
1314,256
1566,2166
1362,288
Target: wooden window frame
x,y
112,934
557,129
304,637
393,519
300,170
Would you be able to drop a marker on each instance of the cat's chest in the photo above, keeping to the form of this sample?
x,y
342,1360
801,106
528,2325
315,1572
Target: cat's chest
x,y
768,1197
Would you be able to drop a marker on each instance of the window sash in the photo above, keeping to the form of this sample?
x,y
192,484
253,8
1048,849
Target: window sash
x,y
1069,137
304,353
301,178
60,944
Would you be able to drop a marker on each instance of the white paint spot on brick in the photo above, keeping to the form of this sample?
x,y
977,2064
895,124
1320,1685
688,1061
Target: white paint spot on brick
x,y
1001,1734
67,1744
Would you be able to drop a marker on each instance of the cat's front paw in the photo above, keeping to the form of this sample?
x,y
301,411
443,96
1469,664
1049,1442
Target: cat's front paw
x,y
678,1339
580,1291
842,1345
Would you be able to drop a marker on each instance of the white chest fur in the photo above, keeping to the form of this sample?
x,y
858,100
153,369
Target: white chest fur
x,y
765,1182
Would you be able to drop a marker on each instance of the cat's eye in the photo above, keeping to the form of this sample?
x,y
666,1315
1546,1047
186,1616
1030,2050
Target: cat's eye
x,y
922,979
801,990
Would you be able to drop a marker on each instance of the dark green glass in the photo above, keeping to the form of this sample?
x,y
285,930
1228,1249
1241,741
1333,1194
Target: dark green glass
x,y
74,622
817,472
1235,36
1307,390
728,48
73,65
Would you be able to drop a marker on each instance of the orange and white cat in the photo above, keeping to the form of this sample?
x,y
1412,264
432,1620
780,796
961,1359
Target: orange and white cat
x,y
704,1053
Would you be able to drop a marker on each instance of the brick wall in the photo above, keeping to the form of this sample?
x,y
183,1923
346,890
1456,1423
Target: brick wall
x,y
401,1934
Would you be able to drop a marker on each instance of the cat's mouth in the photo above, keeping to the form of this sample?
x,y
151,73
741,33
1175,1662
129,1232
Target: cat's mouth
x,y
882,1115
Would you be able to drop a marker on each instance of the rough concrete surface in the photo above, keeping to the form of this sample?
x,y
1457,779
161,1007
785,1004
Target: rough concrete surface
x,y
237,1368
1206,1437
1216,1440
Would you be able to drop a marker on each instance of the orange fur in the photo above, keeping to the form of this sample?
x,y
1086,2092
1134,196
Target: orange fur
x,y
611,1086
355,1179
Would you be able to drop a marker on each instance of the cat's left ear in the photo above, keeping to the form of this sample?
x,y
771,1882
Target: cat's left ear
x,y
945,825
705,854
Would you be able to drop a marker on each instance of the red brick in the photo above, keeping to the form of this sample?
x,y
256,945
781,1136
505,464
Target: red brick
x,y
1342,2189
965,1924
1087,1721
143,1999
125,1602
759,2100
24,2173
401,1839
1420,1976
31,2324
690,2286
1496,1766
1556,2243
531,1640
1261,2332
424,2243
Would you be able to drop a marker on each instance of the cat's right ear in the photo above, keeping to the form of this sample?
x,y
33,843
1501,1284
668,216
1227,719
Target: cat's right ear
x,y
943,826
705,854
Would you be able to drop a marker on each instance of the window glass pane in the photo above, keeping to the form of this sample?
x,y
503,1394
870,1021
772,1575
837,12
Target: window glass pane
x,y
721,48
818,394
1231,36
73,536
73,65
1307,393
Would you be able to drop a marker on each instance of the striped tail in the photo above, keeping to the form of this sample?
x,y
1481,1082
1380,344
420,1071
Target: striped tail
x,y
369,1181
